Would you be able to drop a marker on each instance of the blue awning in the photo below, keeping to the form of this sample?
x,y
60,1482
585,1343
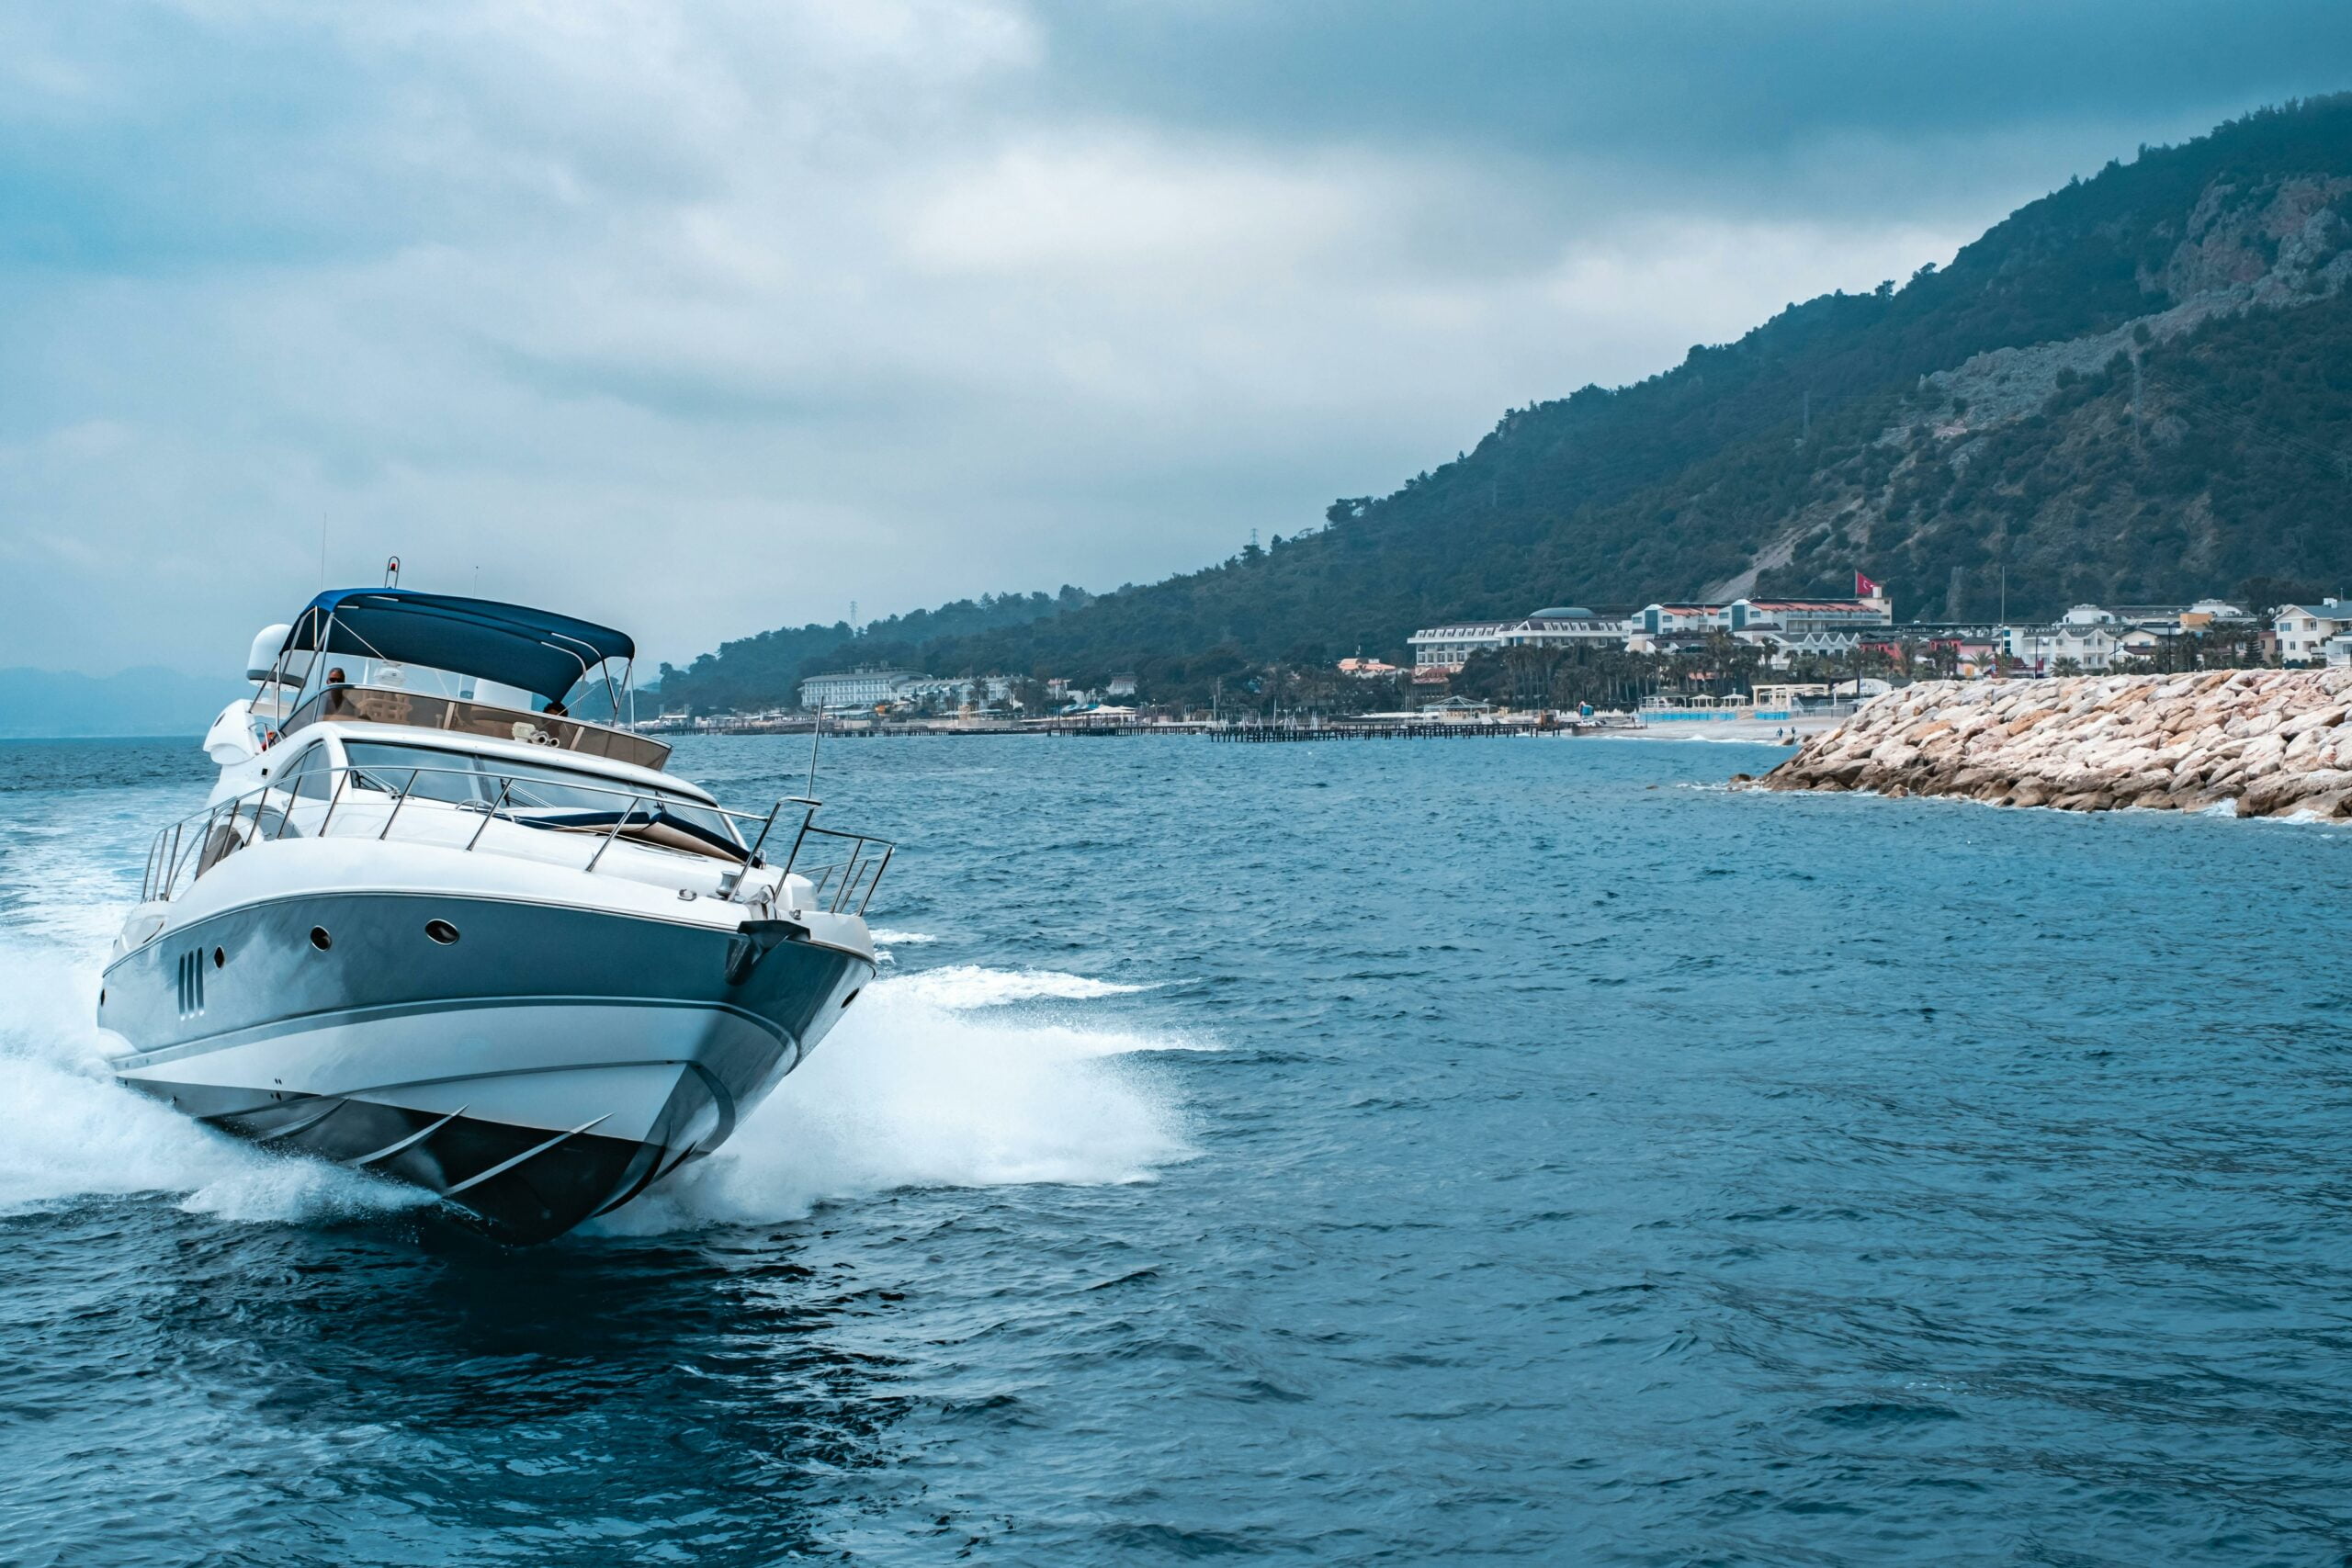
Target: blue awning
x,y
536,649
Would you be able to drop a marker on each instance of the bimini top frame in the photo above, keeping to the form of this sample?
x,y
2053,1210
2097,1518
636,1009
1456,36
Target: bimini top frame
x,y
535,651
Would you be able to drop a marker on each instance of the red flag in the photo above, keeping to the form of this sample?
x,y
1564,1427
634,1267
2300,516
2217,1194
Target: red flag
x,y
1864,588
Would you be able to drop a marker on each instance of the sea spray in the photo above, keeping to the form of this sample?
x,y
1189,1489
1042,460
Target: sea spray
x,y
919,1087
976,986
908,1091
75,1133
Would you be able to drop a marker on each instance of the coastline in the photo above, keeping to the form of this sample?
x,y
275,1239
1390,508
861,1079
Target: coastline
x,y
1740,731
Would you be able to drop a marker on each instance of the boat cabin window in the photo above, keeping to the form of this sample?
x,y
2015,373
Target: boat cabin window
x,y
531,790
310,775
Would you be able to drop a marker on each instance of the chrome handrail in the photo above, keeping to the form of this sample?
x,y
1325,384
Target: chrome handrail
x,y
859,875
175,852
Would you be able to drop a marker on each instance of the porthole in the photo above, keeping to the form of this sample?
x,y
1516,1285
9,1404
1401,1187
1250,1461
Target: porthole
x,y
319,940
220,959
852,997
441,932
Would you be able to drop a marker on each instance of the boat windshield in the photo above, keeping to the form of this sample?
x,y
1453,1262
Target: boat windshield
x,y
555,796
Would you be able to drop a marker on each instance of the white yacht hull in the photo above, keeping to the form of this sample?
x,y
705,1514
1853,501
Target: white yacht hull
x,y
580,1037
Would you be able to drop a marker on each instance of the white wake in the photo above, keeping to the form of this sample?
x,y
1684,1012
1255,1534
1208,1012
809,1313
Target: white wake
x,y
919,1086
910,1090
74,1133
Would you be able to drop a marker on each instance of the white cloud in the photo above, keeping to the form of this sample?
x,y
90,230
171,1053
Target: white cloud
x,y
707,318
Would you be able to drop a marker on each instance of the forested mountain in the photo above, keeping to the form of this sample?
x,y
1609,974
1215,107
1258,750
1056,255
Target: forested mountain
x,y
763,671
2137,388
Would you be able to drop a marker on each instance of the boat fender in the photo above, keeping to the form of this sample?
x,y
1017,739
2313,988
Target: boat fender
x,y
754,940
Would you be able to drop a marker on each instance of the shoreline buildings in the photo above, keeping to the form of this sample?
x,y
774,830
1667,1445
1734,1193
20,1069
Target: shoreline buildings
x,y
1787,632
2088,638
1785,628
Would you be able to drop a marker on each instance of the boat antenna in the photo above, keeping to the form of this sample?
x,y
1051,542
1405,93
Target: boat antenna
x,y
816,733
392,572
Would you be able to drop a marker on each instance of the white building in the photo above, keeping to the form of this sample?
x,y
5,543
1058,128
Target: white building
x,y
1782,649
2304,629
1785,624
2090,644
1804,617
1441,651
855,688
954,691
1758,620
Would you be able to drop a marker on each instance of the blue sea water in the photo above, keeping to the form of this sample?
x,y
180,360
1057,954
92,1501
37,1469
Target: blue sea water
x,y
1520,1151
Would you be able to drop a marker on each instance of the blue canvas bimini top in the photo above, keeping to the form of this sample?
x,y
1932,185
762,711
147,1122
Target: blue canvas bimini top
x,y
536,649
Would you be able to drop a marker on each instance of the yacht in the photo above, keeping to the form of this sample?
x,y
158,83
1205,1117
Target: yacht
x,y
433,926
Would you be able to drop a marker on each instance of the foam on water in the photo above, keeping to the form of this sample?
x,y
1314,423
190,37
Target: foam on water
x,y
76,1133
908,1091
977,985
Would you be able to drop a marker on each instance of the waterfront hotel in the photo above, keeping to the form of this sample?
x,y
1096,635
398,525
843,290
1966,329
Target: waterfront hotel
x,y
1779,624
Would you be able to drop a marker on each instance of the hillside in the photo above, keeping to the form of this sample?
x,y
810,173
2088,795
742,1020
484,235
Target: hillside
x,y
2137,388
764,670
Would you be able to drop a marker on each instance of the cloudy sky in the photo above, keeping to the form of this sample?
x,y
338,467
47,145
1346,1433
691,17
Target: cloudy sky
x,y
703,316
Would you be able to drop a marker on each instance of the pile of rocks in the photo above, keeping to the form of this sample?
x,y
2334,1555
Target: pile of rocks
x,y
2275,742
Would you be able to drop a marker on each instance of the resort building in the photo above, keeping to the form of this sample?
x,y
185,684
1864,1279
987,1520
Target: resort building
x,y
953,691
1439,651
855,688
1771,622
1657,625
1787,626
1803,617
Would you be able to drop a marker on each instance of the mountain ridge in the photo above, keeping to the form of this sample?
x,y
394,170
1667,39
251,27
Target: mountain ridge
x,y
2128,389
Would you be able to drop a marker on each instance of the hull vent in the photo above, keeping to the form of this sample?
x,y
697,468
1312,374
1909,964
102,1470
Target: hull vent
x,y
191,980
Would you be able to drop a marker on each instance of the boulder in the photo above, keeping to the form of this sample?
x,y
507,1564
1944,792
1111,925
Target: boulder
x,y
2272,741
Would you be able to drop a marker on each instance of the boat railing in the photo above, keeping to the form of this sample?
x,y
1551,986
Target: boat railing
x,y
367,802
843,868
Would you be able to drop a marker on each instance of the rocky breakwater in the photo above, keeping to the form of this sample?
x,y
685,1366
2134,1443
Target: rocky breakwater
x,y
2274,742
